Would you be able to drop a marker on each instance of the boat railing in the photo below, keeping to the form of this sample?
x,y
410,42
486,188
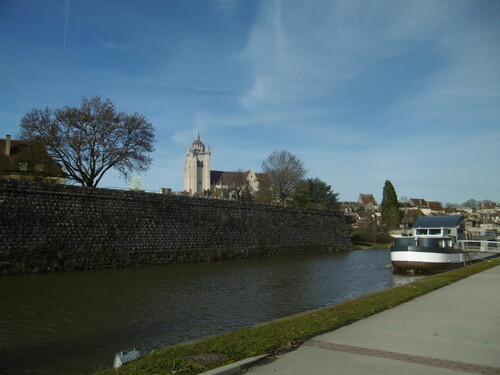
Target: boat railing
x,y
480,246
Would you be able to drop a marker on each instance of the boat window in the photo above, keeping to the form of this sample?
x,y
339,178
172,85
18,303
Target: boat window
x,y
421,232
434,231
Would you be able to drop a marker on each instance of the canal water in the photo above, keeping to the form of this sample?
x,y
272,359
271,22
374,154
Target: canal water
x,y
74,322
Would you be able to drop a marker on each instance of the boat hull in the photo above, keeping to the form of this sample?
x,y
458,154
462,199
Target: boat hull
x,y
427,261
420,259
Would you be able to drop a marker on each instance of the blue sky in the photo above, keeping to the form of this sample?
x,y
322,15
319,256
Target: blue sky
x,y
360,91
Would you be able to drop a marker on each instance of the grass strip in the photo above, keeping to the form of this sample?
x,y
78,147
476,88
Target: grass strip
x,y
286,333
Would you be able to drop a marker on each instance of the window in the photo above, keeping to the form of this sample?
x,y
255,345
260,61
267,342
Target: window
x,y
39,167
23,166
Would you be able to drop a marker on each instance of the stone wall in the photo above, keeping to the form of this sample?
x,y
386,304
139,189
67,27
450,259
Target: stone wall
x,y
49,227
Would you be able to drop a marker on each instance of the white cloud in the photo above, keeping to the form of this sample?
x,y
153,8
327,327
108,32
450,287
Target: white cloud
x,y
303,49
227,5
118,46
201,123
486,138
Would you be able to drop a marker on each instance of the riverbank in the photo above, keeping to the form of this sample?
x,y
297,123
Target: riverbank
x,y
287,333
451,330
362,245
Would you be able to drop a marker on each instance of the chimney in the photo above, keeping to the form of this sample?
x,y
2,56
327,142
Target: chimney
x,y
7,145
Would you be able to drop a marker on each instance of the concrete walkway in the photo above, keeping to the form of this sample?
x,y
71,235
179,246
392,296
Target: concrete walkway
x,y
453,330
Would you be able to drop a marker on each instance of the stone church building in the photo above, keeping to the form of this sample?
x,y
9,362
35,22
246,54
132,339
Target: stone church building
x,y
199,179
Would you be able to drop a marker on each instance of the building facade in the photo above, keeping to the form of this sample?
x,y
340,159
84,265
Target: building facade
x,y
200,180
197,168
25,160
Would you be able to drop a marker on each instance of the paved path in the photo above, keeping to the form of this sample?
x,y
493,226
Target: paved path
x,y
453,330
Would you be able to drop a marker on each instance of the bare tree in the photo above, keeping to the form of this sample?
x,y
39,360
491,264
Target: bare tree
x,y
265,193
471,203
285,172
90,140
240,189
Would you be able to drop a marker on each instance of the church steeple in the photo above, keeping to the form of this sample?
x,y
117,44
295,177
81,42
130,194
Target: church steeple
x,y
198,144
197,167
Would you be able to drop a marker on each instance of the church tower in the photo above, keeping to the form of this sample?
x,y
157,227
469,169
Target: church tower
x,y
197,167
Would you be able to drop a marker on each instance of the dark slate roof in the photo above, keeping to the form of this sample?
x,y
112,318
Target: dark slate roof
x,y
234,178
197,142
438,221
227,178
32,153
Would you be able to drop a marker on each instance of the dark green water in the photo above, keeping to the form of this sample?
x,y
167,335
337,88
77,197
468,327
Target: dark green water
x,y
74,323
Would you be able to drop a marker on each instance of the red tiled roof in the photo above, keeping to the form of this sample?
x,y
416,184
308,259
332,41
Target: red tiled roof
x,y
419,202
488,205
435,206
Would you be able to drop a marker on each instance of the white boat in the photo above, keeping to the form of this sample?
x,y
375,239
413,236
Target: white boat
x,y
438,243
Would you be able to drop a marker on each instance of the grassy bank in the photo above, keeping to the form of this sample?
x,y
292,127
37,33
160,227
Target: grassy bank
x,y
284,334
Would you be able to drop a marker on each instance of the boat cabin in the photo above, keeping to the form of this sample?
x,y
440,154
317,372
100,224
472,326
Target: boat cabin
x,y
431,232
440,226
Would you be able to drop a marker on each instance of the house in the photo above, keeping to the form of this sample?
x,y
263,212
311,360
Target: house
x,y
436,208
488,213
28,160
418,202
223,181
349,208
421,204
368,202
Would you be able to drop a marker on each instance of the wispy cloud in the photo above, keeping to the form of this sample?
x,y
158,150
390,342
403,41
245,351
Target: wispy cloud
x,y
201,123
227,5
486,138
66,17
301,50
187,86
119,46
298,49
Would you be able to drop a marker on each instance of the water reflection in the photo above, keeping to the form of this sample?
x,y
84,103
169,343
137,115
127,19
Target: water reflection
x,y
75,322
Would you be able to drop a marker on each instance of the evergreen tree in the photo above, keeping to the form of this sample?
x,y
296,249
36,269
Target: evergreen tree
x,y
390,206
315,193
